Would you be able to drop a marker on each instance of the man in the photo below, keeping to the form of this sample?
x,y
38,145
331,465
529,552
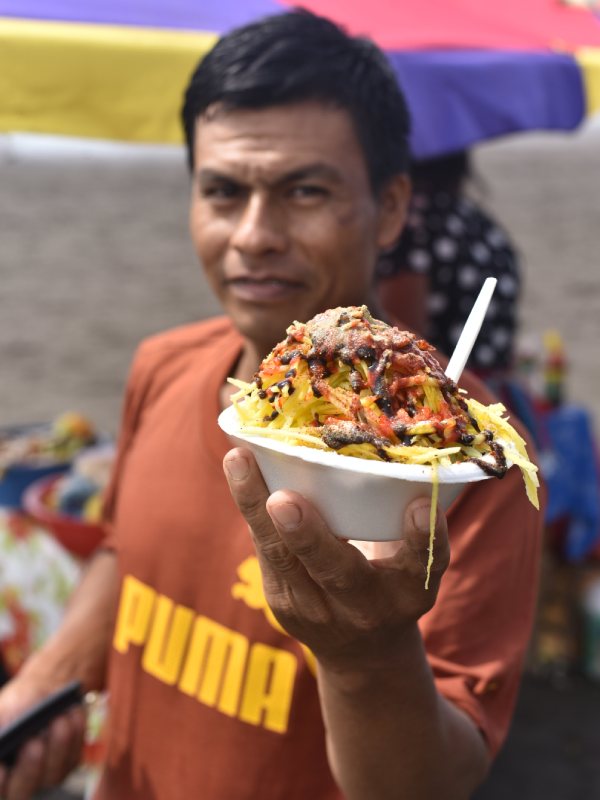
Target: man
x,y
297,144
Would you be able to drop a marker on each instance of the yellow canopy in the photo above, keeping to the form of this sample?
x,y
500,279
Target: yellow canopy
x,y
97,81
120,83
589,61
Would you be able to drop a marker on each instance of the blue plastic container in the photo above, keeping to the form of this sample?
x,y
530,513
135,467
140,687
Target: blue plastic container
x,y
15,480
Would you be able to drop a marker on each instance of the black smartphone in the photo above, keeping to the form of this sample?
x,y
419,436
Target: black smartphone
x,y
36,719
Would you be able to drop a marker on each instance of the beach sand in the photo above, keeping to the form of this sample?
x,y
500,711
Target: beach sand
x,y
94,255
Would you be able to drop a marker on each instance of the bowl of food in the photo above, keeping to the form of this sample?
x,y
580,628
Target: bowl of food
x,y
79,534
360,418
359,499
31,452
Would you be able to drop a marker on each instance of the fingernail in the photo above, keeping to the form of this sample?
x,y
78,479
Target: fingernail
x,y
421,516
287,515
237,468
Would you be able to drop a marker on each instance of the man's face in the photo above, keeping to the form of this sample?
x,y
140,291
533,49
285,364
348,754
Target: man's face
x,y
283,217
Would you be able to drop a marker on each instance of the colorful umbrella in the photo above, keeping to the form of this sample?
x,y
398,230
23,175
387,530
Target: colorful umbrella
x,y
471,71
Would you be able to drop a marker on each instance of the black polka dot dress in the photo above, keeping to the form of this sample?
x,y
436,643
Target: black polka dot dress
x,y
457,245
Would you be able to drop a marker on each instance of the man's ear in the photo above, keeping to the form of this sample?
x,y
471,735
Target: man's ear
x,y
393,208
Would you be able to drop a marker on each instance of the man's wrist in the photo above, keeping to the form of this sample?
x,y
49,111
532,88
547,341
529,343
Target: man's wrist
x,y
369,670
49,669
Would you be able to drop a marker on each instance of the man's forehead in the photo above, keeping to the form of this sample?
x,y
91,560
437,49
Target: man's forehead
x,y
277,134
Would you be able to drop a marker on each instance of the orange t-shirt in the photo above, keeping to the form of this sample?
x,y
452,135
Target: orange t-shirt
x,y
208,697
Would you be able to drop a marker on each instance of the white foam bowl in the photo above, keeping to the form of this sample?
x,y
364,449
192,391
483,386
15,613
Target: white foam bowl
x,y
359,499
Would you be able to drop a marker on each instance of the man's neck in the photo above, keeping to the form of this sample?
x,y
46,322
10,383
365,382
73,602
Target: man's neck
x,y
244,370
248,362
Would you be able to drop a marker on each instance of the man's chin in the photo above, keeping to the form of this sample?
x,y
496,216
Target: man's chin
x,y
262,325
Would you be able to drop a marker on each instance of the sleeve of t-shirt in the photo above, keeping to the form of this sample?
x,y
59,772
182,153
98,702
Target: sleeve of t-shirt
x,y
477,634
136,390
151,369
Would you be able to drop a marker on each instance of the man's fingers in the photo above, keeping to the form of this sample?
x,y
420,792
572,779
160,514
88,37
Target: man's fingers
x,y
250,494
26,776
46,760
333,564
246,484
425,552
65,745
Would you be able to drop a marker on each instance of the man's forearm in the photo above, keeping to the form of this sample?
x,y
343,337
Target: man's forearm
x,y
391,735
78,650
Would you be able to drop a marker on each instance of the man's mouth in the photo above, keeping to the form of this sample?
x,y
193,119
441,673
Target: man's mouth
x,y
262,290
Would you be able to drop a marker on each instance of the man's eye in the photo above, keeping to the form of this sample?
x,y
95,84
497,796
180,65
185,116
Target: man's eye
x,y
220,191
308,191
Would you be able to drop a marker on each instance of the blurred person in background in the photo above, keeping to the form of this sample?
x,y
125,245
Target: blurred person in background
x,y
431,278
256,655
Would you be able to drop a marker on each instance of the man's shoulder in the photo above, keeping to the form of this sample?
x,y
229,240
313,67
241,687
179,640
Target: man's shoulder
x,y
187,340
179,350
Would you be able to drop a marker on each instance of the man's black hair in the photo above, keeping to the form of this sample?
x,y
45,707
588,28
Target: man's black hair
x,y
442,173
299,56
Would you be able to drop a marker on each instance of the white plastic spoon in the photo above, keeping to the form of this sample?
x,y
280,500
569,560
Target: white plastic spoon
x,y
469,334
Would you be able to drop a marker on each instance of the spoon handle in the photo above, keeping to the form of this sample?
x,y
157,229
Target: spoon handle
x,y
469,334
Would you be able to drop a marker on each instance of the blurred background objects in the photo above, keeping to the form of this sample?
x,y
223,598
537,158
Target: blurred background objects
x,y
95,256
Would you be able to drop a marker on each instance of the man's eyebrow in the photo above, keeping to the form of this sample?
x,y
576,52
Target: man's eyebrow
x,y
316,170
206,174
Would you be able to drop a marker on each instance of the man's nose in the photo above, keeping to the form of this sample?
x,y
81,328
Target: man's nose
x,y
260,228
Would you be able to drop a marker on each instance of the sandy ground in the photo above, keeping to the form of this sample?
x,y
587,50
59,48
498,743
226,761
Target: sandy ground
x,y
94,255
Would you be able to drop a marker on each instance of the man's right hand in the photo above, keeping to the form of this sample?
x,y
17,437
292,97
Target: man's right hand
x,y
48,758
